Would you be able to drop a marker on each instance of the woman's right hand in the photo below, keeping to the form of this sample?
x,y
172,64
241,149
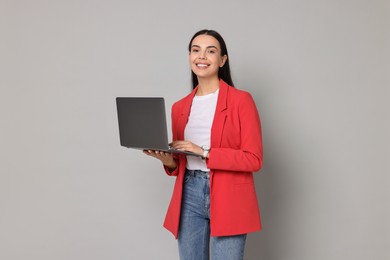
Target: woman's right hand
x,y
166,158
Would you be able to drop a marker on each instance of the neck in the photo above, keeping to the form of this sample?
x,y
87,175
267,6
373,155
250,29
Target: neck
x,y
207,86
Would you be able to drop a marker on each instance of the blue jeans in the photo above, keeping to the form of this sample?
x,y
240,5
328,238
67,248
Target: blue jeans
x,y
194,232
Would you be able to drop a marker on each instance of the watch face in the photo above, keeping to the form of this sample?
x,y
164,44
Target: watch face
x,y
206,148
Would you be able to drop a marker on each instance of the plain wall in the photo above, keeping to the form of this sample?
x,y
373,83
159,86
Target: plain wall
x,y
318,71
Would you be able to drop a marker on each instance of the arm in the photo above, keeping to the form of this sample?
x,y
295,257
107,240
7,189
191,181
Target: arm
x,y
249,156
169,161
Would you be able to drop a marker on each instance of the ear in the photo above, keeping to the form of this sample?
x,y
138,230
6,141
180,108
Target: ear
x,y
223,60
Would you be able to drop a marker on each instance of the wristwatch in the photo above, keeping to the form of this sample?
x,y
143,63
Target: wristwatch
x,y
206,150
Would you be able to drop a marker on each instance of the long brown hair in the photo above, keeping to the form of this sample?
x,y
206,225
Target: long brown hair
x,y
224,72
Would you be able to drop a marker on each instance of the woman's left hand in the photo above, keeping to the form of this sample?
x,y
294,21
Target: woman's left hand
x,y
187,146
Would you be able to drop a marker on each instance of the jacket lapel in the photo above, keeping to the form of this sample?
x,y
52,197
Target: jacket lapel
x,y
220,115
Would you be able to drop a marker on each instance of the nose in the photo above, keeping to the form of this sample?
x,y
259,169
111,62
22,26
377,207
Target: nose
x,y
202,55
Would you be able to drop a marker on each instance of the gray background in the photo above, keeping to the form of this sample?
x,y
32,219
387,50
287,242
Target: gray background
x,y
318,71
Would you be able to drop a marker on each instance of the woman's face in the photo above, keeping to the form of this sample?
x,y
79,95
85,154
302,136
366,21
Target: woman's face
x,y
205,56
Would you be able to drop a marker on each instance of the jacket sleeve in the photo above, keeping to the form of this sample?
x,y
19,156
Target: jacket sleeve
x,y
174,117
174,172
249,156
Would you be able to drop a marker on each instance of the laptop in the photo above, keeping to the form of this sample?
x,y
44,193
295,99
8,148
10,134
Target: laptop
x,y
142,124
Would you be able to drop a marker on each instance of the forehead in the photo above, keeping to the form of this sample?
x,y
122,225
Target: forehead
x,y
205,41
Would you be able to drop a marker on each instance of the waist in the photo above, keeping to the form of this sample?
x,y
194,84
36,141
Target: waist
x,y
199,173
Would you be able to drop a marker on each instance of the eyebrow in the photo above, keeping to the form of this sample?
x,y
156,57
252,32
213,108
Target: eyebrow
x,y
208,47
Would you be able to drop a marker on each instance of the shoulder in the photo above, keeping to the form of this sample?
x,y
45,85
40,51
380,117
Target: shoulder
x,y
182,102
233,95
239,93
239,96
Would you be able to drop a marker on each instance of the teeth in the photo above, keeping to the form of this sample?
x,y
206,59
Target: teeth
x,y
202,65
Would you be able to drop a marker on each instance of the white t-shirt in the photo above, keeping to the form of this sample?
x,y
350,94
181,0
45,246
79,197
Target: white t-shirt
x,y
198,128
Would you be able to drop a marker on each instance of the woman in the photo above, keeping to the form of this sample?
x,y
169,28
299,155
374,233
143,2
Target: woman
x,y
214,197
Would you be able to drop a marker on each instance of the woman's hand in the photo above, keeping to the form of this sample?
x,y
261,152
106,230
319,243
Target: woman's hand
x,y
187,146
166,158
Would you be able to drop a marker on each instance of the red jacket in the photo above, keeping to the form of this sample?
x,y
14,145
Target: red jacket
x,y
236,152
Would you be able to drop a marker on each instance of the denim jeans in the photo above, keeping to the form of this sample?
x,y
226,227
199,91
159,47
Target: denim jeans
x,y
194,232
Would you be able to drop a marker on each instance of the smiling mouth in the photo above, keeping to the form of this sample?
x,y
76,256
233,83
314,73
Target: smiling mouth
x,y
202,65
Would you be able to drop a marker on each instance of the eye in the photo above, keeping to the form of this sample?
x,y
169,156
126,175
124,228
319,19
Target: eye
x,y
194,50
212,51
